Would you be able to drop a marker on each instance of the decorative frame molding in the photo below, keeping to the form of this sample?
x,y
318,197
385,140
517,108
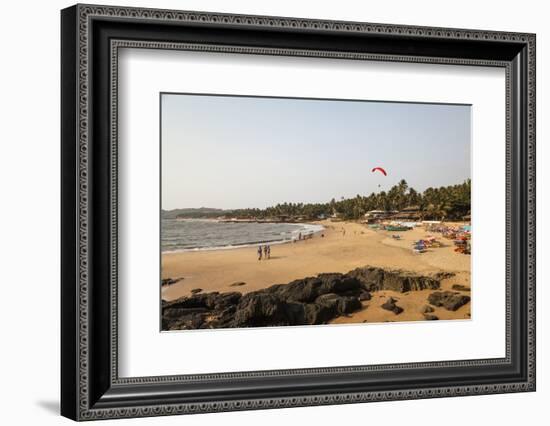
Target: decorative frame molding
x,y
91,388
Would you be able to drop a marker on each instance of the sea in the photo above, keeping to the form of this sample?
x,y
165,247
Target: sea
x,y
205,234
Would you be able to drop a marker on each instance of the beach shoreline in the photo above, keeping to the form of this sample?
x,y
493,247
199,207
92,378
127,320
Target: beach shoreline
x,y
309,228
344,247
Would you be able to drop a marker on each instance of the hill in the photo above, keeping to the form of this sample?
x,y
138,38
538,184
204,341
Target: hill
x,y
193,213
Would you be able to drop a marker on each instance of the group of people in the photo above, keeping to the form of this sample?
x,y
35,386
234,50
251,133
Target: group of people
x,y
266,252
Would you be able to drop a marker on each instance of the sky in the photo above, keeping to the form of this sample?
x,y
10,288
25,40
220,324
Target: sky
x,y
241,152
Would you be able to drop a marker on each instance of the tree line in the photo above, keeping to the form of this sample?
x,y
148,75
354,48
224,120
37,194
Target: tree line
x,y
447,202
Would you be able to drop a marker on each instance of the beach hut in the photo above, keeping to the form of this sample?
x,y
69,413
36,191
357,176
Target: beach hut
x,y
411,213
374,216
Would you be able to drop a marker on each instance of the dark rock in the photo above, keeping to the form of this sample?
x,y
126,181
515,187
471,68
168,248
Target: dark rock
x,y
364,296
448,299
197,321
195,301
390,301
181,312
460,287
170,281
320,313
426,309
329,300
186,321
263,309
309,289
377,279
225,318
224,300
237,284
312,300
329,306
347,305
390,305
443,275
430,317
315,314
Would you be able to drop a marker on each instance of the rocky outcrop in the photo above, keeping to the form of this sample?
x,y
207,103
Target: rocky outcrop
x,y
314,300
194,311
448,299
376,279
308,301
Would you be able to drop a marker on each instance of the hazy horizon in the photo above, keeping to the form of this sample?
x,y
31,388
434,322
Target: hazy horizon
x,y
226,152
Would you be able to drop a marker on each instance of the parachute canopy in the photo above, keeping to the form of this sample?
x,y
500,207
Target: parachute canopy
x,y
380,169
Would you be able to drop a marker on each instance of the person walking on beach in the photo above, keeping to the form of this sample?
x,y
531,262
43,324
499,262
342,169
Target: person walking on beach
x,y
268,251
265,252
259,252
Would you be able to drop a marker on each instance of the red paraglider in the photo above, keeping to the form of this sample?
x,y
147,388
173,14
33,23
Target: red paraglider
x,y
381,170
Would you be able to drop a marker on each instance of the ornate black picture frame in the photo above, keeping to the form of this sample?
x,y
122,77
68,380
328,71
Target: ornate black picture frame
x,y
91,36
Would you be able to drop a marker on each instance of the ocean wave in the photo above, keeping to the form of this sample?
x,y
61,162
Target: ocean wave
x,y
305,229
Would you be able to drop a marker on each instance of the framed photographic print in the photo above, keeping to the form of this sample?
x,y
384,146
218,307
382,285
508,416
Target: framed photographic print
x,y
220,266
263,212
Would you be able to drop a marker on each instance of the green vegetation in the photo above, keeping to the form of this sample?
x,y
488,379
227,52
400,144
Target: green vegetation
x,y
448,202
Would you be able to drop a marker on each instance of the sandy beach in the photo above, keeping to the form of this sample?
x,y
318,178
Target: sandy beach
x,y
344,247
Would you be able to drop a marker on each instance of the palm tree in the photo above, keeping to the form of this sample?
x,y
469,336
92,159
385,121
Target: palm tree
x,y
451,202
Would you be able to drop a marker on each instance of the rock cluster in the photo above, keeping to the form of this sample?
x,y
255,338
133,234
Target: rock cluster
x,y
308,301
450,300
376,279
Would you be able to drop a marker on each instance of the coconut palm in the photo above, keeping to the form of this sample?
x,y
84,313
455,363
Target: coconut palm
x,y
451,202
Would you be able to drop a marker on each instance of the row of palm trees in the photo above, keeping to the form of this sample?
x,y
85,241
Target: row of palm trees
x,y
446,202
